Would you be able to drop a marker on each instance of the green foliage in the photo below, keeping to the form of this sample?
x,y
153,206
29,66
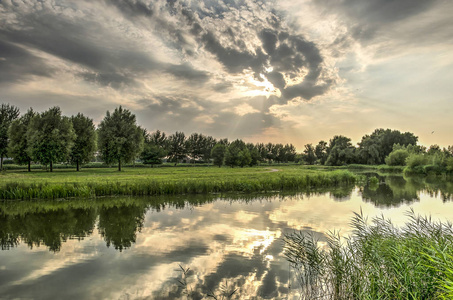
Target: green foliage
x,y
309,154
18,144
158,138
379,261
340,151
245,159
254,154
237,154
50,137
8,113
397,158
152,154
119,138
449,166
218,154
374,148
85,142
177,147
321,152
415,161
199,146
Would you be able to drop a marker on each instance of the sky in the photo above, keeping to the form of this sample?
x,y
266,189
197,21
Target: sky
x,y
281,71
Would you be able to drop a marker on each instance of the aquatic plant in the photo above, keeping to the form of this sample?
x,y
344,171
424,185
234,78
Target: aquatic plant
x,y
378,261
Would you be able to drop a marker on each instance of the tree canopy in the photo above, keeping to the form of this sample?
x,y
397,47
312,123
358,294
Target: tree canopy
x,y
8,113
18,143
85,142
119,138
50,137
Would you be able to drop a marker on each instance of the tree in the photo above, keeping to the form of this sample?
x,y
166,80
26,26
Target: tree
x,y
140,134
309,154
8,113
397,157
85,142
254,154
270,152
119,137
218,154
18,143
262,151
290,152
340,151
279,153
321,152
196,144
50,137
210,142
237,154
158,138
153,150
177,146
374,148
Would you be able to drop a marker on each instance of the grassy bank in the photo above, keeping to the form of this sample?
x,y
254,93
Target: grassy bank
x,y
165,181
378,261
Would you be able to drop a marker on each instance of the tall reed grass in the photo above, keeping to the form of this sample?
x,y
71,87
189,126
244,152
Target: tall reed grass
x,y
141,186
378,261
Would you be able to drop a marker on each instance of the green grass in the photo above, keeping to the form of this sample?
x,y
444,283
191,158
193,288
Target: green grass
x,y
94,182
379,261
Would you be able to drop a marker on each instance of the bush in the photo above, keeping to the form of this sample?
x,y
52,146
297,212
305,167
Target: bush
x,y
450,164
397,158
416,160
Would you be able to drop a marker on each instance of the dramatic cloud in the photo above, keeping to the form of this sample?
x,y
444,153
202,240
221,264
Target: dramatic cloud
x,y
225,66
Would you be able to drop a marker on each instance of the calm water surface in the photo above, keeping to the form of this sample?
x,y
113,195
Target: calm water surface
x,y
136,248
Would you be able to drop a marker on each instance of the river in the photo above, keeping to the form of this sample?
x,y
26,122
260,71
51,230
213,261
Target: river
x,y
186,247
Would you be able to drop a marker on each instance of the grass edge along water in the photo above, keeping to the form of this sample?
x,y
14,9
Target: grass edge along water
x,y
261,182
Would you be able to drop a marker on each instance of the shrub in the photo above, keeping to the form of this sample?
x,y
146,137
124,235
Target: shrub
x,y
416,160
450,164
397,158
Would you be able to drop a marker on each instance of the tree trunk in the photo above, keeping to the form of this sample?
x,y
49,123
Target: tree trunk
x,y
51,166
29,166
1,164
78,169
119,165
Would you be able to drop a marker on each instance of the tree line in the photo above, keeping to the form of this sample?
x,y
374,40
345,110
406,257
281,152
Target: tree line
x,y
49,137
383,146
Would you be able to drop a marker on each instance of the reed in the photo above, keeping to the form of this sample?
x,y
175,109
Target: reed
x,y
378,261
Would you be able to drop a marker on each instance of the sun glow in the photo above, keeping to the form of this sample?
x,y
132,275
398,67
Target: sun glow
x,y
262,87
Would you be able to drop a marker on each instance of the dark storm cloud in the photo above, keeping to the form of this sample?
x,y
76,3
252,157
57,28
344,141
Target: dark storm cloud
x,y
110,59
17,64
132,7
186,71
288,54
367,17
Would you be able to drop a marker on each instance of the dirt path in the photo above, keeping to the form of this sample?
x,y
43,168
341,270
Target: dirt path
x,y
272,170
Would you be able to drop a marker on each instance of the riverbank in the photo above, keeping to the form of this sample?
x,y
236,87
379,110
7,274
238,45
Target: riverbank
x,y
21,185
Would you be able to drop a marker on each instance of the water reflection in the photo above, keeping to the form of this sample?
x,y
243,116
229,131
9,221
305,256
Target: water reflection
x,y
127,248
393,190
119,225
50,228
